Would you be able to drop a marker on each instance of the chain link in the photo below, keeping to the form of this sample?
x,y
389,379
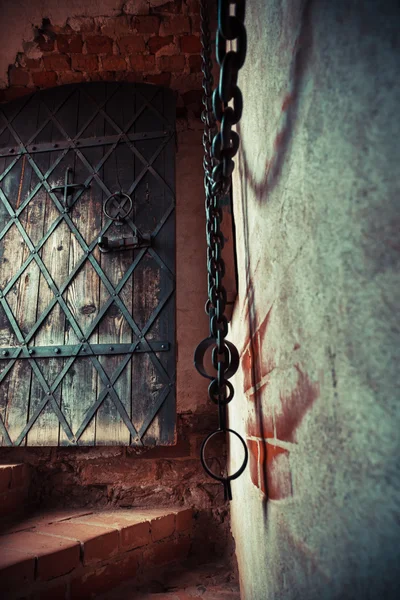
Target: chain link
x,y
220,146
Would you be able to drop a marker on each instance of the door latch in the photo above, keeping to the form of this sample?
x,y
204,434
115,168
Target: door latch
x,y
132,242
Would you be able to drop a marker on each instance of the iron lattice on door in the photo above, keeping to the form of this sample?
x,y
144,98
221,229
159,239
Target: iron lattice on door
x,y
87,352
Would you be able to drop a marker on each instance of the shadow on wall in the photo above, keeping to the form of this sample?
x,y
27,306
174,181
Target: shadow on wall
x,y
285,127
270,430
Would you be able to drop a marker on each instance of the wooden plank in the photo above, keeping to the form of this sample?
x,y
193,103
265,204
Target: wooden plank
x,y
153,201
83,295
118,173
8,263
22,298
55,255
167,413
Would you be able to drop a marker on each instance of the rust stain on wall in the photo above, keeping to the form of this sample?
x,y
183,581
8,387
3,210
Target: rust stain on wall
x,y
270,469
255,364
269,462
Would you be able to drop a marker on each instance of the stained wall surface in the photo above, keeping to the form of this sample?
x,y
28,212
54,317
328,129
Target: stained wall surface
x,y
315,516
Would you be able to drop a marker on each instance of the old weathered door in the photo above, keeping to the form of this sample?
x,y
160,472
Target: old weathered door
x,y
87,336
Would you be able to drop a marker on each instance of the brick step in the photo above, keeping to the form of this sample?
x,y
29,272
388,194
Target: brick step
x,y
14,487
68,555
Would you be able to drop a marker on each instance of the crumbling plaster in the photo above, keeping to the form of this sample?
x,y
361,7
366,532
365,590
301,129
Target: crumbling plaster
x,y
20,18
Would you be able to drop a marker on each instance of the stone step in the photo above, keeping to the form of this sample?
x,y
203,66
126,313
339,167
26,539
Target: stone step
x,y
14,487
68,555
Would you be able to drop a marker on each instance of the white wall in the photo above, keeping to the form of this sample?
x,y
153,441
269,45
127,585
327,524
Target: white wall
x,y
315,197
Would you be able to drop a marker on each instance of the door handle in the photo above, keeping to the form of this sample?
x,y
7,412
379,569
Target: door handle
x,y
132,242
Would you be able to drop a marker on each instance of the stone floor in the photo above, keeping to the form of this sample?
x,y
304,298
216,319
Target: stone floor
x,y
208,582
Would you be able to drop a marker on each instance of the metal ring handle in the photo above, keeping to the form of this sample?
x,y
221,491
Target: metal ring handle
x,y
116,195
207,468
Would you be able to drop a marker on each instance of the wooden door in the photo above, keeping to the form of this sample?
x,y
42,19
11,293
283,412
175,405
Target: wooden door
x,y
87,338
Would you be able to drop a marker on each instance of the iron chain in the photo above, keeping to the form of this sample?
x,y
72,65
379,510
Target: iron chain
x,y
220,146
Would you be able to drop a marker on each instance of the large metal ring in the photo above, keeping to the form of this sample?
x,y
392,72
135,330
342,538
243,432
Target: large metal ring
x,y
199,355
121,215
224,480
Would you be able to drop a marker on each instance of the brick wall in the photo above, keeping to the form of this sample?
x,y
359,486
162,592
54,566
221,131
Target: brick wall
x,y
151,42
14,486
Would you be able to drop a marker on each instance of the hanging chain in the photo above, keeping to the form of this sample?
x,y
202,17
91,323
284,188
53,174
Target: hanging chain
x,y
220,146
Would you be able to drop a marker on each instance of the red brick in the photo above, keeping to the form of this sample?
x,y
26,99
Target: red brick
x,y
99,44
197,423
33,63
174,7
91,583
216,447
113,63
133,77
146,24
16,569
82,24
71,77
167,552
18,76
55,556
195,23
45,43
157,42
192,97
131,44
11,94
143,62
137,7
116,26
181,113
190,44
179,450
57,62
131,534
171,63
69,43
20,476
135,536
103,76
85,62
44,518
275,474
5,477
193,6
11,501
58,591
162,527
195,63
175,25
98,543
184,520
252,446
